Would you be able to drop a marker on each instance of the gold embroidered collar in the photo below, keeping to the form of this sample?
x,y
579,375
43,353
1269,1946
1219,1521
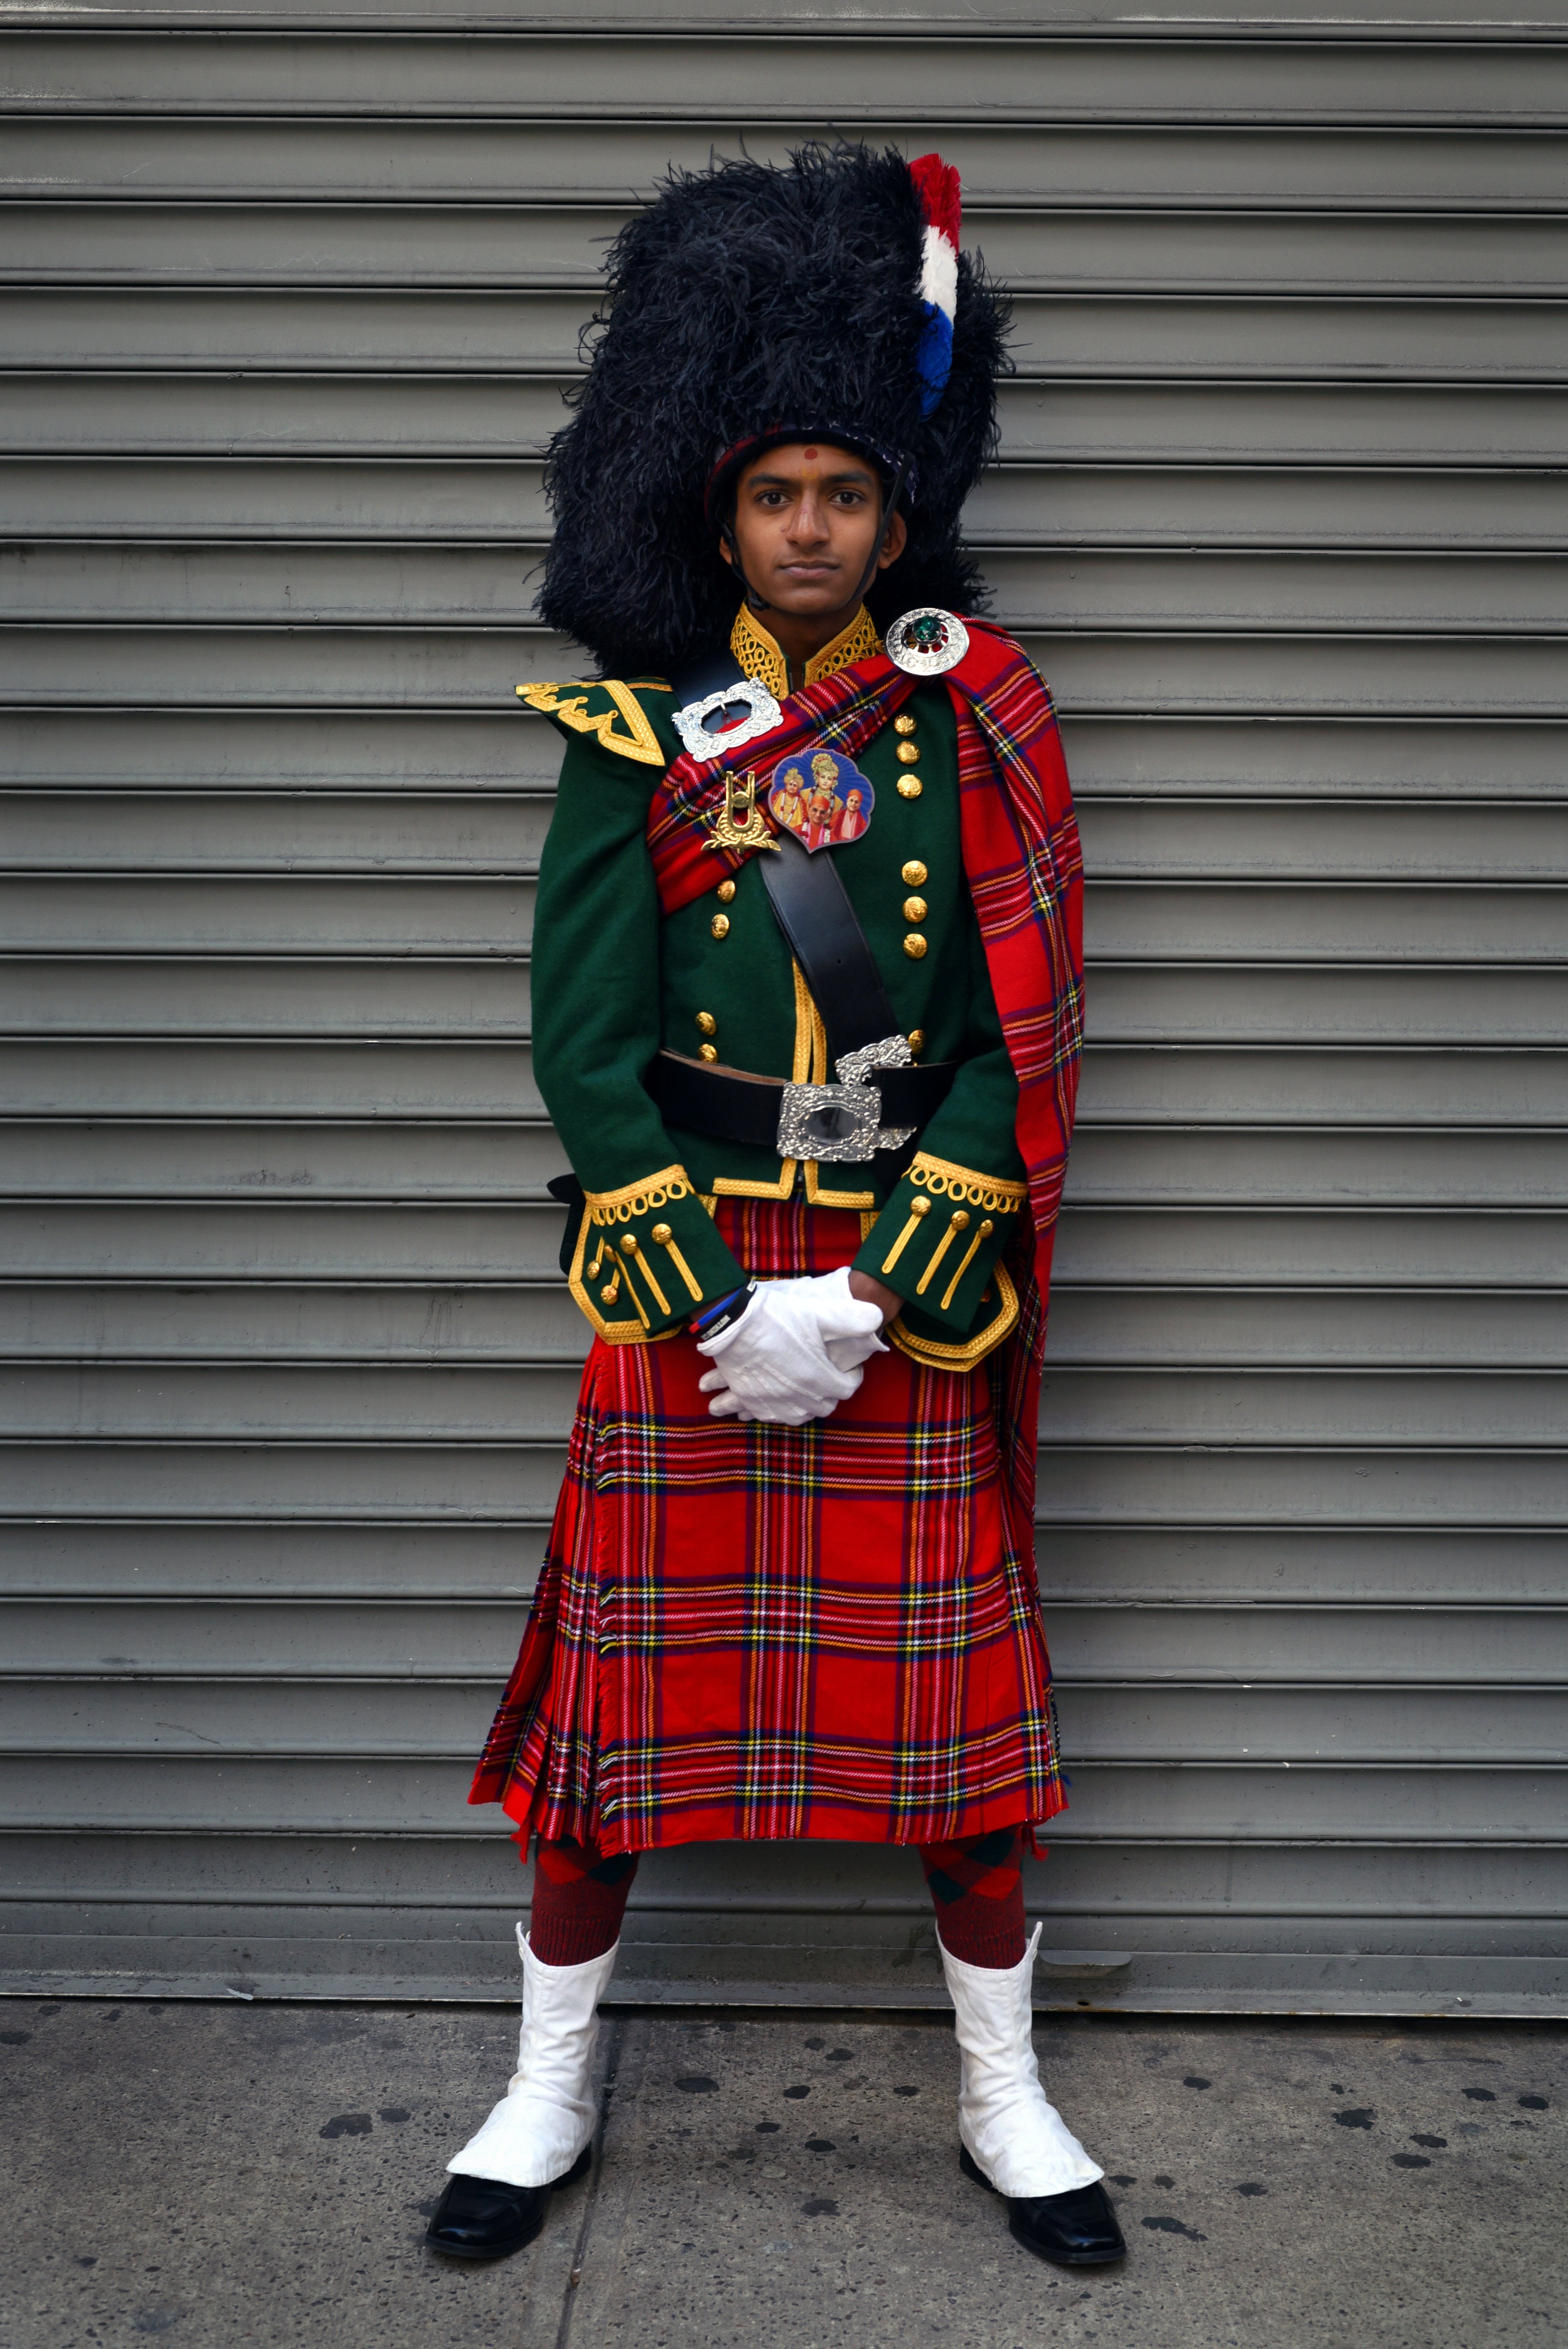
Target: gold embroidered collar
x,y
761,657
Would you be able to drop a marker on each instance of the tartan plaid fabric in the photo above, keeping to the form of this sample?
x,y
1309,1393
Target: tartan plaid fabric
x,y
1021,859
1025,870
843,712
977,1892
750,1632
579,1901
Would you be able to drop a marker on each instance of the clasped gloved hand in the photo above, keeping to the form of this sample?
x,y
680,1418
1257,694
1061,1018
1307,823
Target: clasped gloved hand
x,y
798,1350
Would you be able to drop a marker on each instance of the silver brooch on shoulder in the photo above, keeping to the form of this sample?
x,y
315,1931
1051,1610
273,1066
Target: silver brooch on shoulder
x,y
926,643
705,742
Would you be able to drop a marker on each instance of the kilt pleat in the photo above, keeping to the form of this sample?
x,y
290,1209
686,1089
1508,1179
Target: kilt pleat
x,y
750,1631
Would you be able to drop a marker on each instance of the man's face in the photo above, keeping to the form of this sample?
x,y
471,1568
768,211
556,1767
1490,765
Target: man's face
x,y
808,518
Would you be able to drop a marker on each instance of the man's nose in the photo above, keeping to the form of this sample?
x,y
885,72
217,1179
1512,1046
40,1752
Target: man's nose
x,y
807,522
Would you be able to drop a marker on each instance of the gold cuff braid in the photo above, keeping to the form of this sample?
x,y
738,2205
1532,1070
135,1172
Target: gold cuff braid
x,y
615,1256
964,1186
937,1355
639,1198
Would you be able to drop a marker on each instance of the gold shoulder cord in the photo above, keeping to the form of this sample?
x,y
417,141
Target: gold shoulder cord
x,y
639,741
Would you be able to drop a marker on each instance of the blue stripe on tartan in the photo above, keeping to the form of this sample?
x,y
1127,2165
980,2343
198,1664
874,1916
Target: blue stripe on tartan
x,y
590,1749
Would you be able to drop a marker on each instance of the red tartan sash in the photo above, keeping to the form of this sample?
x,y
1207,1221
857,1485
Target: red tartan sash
x,y
841,713
1021,859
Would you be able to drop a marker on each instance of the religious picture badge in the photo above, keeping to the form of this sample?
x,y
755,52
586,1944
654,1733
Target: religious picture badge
x,y
822,798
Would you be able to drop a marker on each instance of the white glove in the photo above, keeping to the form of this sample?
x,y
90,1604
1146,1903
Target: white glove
x,y
795,1353
850,1330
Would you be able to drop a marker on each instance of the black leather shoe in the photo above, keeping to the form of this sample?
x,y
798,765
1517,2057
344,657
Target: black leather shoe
x,y
1076,2230
483,2218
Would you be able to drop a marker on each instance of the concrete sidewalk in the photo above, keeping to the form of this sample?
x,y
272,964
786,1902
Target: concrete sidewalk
x,y
254,2173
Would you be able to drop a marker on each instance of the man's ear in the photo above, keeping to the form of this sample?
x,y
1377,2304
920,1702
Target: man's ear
x,y
895,538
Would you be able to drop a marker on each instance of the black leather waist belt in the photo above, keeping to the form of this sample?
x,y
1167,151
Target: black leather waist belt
x,y
823,1121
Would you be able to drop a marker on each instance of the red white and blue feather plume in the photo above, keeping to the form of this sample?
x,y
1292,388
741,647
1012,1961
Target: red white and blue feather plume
x,y
746,307
936,185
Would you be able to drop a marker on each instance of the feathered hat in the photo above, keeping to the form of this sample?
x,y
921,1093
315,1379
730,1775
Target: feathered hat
x,y
747,306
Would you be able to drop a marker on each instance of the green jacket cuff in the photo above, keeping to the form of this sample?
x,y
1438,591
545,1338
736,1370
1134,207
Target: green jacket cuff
x,y
937,1241
648,1257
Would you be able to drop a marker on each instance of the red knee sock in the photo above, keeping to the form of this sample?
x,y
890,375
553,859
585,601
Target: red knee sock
x,y
978,1891
976,1888
579,1899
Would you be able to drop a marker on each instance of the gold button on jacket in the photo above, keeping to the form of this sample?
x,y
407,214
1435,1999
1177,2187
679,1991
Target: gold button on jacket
x,y
615,981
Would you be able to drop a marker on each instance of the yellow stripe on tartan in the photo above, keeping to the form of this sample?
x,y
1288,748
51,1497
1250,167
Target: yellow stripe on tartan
x,y
781,1770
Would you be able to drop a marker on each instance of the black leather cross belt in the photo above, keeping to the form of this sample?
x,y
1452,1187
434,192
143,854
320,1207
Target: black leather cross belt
x,y
823,1121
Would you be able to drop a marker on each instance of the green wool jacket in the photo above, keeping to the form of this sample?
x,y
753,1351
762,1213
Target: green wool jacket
x,y
615,980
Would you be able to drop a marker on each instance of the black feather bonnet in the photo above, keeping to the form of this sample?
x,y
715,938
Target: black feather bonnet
x,y
747,304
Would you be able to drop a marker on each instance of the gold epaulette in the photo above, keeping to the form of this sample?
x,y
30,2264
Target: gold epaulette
x,y
594,709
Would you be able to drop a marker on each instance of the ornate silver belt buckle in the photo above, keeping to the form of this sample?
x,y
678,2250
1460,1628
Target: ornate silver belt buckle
x,y
838,1124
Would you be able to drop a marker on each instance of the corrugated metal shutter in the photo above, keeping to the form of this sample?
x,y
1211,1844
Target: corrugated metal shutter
x,y
290,300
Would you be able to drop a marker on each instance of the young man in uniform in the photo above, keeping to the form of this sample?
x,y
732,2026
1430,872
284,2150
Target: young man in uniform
x,y
816,1084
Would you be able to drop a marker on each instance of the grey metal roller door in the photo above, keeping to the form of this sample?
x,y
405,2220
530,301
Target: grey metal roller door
x,y
289,302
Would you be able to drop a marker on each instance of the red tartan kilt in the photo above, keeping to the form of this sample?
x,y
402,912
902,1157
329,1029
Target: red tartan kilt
x,y
748,1631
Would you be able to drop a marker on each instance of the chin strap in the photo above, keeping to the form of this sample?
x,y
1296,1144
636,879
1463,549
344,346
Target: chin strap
x,y
758,603
755,601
